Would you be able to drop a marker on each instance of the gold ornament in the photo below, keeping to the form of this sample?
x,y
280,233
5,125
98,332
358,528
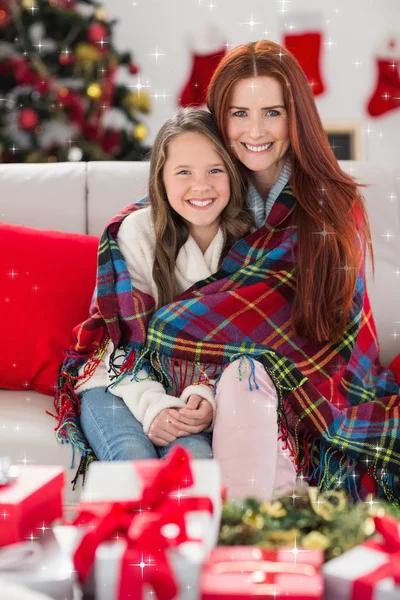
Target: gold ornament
x,y
35,157
94,91
140,132
135,101
101,14
273,509
29,4
87,52
315,541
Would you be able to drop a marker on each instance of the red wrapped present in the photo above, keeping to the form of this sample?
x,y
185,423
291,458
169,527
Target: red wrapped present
x,y
242,572
148,524
33,501
370,571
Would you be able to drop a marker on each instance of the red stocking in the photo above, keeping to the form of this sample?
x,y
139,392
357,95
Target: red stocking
x,y
386,96
203,67
306,47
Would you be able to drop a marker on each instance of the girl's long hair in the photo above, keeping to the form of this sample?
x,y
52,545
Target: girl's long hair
x,y
171,229
328,199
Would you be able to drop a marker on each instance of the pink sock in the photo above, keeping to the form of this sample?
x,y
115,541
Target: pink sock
x,y
245,436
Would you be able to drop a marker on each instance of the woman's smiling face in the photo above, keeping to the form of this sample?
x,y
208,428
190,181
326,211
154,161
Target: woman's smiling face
x,y
257,124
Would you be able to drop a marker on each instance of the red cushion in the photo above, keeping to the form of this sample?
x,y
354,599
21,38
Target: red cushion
x,y
395,367
47,279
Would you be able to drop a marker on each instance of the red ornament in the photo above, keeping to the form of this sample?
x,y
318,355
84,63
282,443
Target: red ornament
x,y
133,68
90,132
65,96
28,118
43,86
4,18
66,59
111,141
96,32
22,72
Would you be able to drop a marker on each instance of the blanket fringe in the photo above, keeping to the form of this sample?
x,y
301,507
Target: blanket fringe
x,y
84,463
310,455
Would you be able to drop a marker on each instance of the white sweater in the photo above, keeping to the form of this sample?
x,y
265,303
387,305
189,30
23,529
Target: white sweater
x,y
136,240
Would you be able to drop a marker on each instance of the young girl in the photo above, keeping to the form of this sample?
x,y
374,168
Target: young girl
x,y
196,213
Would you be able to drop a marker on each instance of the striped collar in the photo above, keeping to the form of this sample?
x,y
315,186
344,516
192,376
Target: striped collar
x,y
261,208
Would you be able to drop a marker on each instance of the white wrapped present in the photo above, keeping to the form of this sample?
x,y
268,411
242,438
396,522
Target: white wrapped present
x,y
148,526
370,571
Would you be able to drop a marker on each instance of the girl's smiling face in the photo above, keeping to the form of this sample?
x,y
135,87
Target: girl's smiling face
x,y
257,124
196,182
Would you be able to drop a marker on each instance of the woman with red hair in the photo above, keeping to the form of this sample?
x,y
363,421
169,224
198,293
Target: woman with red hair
x,y
321,404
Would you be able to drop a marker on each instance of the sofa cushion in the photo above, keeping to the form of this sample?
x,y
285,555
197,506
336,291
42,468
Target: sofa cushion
x,y
111,186
44,195
47,278
27,436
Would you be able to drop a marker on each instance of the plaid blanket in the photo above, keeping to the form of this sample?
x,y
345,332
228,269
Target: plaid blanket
x,y
338,407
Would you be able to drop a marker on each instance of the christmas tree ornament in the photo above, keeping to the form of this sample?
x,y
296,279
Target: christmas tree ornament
x,y
66,57
101,14
303,37
91,132
135,101
96,32
43,86
29,4
28,119
87,53
140,132
94,91
386,95
75,154
64,96
111,141
207,48
4,15
133,68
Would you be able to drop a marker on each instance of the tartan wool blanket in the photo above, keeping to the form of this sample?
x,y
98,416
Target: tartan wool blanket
x,y
338,407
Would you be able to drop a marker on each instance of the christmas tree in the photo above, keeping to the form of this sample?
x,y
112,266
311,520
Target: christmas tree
x,y
59,99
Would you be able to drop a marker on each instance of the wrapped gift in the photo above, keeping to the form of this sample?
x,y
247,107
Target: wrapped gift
x,y
241,572
148,526
38,565
32,501
370,571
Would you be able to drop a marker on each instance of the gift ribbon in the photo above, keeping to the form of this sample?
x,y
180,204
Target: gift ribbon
x,y
139,522
388,527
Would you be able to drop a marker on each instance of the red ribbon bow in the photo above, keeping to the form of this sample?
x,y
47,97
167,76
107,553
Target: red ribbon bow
x,y
388,527
139,523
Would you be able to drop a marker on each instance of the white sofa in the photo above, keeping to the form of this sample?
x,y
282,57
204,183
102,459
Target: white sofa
x,y
82,197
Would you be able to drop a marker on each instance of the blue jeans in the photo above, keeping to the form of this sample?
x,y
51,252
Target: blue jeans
x,y
115,434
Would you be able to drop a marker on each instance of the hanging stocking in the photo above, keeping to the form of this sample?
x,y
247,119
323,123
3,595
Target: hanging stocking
x,y
207,51
386,96
303,38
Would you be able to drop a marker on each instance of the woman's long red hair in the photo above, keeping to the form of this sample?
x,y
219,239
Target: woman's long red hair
x,y
327,198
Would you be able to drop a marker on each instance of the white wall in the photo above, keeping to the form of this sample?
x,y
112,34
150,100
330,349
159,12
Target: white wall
x,y
356,28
